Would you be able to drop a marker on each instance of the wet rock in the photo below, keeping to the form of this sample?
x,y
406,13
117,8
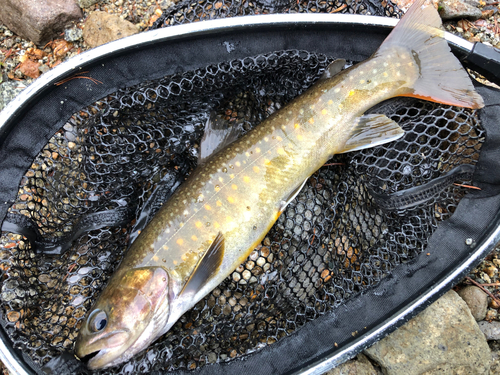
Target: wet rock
x,y
453,9
102,28
38,20
476,299
8,90
491,330
357,366
443,339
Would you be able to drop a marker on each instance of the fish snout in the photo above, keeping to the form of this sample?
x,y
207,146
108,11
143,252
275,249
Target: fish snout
x,y
102,350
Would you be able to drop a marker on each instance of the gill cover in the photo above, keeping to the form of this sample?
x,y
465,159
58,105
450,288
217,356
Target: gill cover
x,y
125,318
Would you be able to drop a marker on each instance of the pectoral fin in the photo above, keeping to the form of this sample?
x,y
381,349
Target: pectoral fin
x,y
207,266
372,130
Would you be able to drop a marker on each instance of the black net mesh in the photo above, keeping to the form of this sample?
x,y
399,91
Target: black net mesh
x,y
117,160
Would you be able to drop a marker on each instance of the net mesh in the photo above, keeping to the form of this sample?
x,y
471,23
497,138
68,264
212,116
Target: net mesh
x,y
356,219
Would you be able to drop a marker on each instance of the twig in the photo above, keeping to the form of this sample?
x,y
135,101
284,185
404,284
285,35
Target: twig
x,y
484,289
342,7
468,186
327,165
77,75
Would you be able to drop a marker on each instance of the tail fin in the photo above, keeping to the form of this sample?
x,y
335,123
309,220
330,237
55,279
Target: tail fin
x,y
442,77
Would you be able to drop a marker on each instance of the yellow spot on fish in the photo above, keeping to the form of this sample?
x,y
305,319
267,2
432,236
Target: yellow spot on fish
x,y
311,106
281,151
229,219
410,64
247,154
385,74
266,139
194,238
351,93
361,81
257,150
324,112
165,247
279,138
246,179
184,257
175,262
398,64
221,179
198,224
234,187
336,90
301,111
256,169
300,137
231,175
230,199
283,127
217,187
267,161
180,241
238,164
341,106
218,203
207,207
155,258
311,121
296,126
216,225
330,102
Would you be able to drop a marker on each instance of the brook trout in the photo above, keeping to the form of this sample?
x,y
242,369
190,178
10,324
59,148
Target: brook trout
x,y
215,219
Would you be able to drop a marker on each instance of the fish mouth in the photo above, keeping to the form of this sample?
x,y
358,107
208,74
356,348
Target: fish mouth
x,y
103,351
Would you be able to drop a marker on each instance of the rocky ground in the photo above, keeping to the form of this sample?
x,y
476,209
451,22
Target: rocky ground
x,y
459,334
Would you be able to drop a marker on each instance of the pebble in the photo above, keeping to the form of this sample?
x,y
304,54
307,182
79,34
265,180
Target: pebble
x,y
8,90
457,9
87,3
443,339
476,299
73,34
101,28
491,330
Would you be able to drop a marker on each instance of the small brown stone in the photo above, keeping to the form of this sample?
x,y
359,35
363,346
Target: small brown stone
x,y
38,20
101,28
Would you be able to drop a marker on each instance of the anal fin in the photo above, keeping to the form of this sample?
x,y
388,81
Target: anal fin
x,y
207,266
372,130
334,68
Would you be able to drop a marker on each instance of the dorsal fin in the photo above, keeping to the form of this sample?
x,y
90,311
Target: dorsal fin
x,y
217,136
207,266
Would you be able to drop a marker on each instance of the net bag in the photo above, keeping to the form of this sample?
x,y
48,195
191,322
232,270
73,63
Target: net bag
x,y
373,238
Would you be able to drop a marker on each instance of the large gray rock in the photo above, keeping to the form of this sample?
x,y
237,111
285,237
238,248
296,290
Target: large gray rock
x,y
38,20
357,366
476,299
443,339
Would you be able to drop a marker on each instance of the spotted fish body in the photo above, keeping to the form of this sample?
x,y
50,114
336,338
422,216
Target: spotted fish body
x,y
217,217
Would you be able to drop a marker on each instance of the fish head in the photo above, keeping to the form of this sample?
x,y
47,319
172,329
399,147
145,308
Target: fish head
x,y
129,315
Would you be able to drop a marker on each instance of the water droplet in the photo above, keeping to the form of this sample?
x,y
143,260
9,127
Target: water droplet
x,y
224,170
164,260
248,208
200,198
231,166
207,224
255,227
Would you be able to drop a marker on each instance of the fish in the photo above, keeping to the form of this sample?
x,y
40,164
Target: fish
x,y
215,219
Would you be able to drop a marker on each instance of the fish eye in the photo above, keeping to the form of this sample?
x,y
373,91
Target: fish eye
x,y
98,321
